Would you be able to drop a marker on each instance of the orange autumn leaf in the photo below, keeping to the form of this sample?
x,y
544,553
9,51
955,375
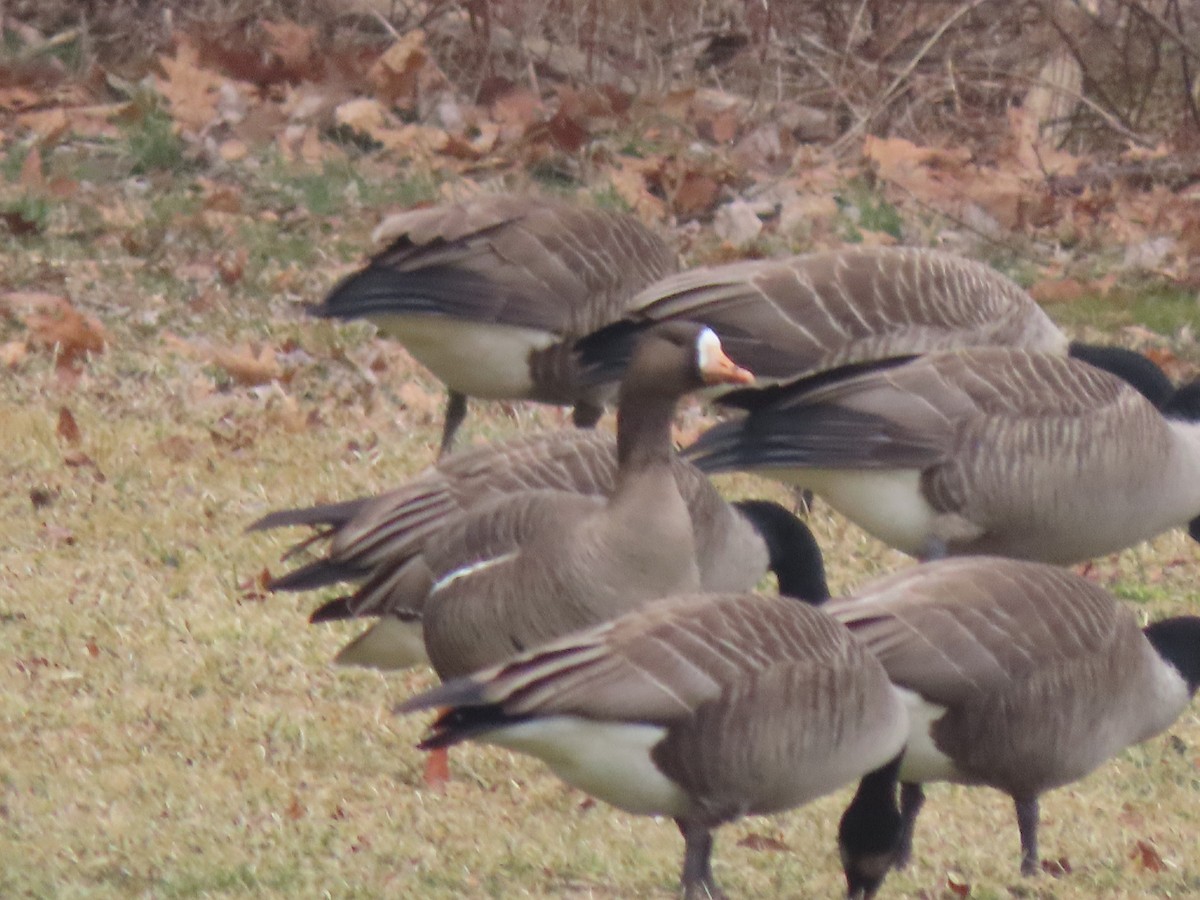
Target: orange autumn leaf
x,y
54,324
68,429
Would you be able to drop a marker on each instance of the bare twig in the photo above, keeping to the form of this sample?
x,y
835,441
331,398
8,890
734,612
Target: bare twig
x,y
892,91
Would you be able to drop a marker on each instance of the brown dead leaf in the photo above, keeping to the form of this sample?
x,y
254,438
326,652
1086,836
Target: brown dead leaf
x,y
68,429
248,366
629,181
18,98
191,91
92,648
957,885
48,124
296,810
1056,868
362,114
61,328
1147,856
294,45
231,266
755,841
395,75
696,194
19,224
1057,290
221,197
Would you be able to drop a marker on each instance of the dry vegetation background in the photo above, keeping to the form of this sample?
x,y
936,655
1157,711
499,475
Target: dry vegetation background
x,y
176,179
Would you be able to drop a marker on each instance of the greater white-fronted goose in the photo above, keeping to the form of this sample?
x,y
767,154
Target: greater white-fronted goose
x,y
528,567
489,293
986,450
783,318
705,709
1021,676
380,540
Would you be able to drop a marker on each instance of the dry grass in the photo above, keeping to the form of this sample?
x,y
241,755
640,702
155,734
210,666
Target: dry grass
x,y
167,733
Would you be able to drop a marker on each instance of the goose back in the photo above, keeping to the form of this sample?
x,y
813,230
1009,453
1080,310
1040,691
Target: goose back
x,y
379,540
757,703
487,292
985,450
786,317
1039,675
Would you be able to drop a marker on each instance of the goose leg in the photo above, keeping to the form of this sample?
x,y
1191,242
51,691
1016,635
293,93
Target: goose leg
x,y
697,881
1027,823
912,798
586,414
456,411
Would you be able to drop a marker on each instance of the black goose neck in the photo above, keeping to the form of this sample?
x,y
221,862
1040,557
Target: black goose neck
x,y
870,833
1177,640
793,553
1184,404
1135,369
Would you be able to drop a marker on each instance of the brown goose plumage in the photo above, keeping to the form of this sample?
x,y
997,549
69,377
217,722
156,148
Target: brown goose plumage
x,y
379,540
985,450
787,317
528,567
489,293
1021,676
704,708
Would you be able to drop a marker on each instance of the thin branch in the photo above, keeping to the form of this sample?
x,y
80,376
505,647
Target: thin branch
x,y
892,91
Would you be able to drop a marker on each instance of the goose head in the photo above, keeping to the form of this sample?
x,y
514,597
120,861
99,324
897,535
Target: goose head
x,y
679,357
870,833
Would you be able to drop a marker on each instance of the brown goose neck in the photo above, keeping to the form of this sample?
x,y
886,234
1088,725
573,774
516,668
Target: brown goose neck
x,y
644,429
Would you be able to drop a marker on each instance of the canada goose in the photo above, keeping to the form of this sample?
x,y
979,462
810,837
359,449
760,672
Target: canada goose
x,y
1021,676
526,568
703,708
488,294
380,539
783,318
985,450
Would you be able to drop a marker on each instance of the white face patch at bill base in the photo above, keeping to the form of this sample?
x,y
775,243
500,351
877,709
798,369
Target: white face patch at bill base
x,y
708,349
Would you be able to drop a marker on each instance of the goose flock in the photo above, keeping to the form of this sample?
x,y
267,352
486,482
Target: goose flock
x,y
592,602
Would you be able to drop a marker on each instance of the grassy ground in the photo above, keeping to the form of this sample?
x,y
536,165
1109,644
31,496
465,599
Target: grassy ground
x,y
168,731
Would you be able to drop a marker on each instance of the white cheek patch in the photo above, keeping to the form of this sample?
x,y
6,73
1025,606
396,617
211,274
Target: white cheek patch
x,y
708,349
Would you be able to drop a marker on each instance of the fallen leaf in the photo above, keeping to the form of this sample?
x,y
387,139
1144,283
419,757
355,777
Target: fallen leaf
x,y
1057,868
61,328
19,224
957,885
68,429
92,648
1145,854
254,588
755,841
395,74
1057,290
41,497
48,124
232,266
295,810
